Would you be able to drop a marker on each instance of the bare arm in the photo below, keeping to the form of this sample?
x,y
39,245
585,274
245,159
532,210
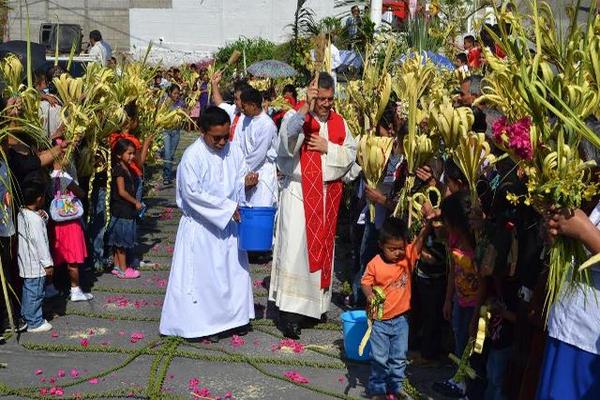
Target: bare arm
x,y
216,91
143,154
47,157
578,226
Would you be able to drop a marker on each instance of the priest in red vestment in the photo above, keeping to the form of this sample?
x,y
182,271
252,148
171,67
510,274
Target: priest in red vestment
x,y
316,151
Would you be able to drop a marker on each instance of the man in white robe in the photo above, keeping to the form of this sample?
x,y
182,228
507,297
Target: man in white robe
x,y
210,288
301,276
258,140
233,110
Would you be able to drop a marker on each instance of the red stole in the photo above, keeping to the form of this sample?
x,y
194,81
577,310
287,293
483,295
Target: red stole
x,y
233,125
320,210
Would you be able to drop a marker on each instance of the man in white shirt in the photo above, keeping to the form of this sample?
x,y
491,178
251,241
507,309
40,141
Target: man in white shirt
x,y
97,49
258,139
233,110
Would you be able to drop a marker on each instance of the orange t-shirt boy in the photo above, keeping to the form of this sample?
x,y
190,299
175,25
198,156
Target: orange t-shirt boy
x,y
392,268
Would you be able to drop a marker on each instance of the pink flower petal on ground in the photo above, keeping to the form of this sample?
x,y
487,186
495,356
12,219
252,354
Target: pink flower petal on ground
x,y
38,372
61,373
193,383
42,379
296,377
161,283
44,391
91,332
54,334
136,337
93,381
258,283
84,342
237,341
289,345
203,392
59,392
74,373
228,395
342,379
52,391
52,380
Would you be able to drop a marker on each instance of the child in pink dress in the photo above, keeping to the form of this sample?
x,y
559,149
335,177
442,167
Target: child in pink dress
x,y
68,239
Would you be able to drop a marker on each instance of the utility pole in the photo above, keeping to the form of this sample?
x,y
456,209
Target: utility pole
x,y
376,12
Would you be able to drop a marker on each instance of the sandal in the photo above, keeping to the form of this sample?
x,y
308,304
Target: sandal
x,y
129,273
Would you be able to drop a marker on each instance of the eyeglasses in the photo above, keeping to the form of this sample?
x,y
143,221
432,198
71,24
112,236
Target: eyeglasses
x,y
325,98
218,139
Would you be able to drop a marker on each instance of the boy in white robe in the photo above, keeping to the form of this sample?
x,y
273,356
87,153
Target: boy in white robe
x,y
234,110
210,288
258,140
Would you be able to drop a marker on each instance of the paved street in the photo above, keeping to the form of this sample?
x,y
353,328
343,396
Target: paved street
x,y
111,348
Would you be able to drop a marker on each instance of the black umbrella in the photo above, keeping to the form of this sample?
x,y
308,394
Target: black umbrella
x,y
19,49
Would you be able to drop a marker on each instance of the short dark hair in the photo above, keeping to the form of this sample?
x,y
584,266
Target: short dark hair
x,y
469,38
213,116
31,190
462,57
96,35
393,229
452,171
326,81
171,88
354,7
289,88
474,82
131,109
252,96
240,85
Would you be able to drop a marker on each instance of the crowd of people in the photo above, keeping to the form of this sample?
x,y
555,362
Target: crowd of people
x,y
442,273
468,253
54,217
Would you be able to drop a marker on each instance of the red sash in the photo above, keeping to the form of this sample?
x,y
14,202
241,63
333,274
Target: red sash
x,y
233,125
320,211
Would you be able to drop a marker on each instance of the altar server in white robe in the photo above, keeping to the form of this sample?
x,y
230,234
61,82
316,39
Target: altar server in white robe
x,y
316,150
258,140
210,288
234,110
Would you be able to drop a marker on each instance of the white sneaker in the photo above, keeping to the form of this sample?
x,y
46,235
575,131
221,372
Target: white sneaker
x,y
45,327
149,264
78,295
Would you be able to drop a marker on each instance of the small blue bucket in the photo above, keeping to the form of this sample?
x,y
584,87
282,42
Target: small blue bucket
x,y
256,228
355,326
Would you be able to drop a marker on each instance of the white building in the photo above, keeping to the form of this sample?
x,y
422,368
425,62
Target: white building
x,y
179,29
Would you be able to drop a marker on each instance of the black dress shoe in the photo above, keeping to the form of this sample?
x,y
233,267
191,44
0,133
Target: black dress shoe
x,y
291,330
213,338
243,330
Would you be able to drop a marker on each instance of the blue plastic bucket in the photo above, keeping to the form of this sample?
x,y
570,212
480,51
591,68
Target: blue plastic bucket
x,y
355,326
256,228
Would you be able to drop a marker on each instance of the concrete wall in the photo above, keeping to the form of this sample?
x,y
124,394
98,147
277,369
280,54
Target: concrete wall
x,y
111,17
204,25
189,26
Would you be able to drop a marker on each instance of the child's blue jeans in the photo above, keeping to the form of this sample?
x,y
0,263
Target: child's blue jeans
x,y
389,344
31,301
496,371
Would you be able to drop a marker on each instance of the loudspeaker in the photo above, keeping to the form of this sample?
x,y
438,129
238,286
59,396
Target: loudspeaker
x,y
67,34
